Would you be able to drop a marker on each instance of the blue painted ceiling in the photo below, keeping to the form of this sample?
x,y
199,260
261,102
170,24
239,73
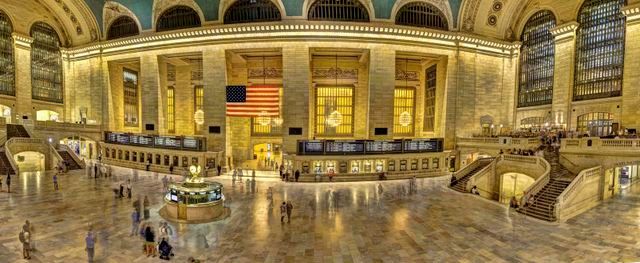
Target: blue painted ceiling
x,y
143,9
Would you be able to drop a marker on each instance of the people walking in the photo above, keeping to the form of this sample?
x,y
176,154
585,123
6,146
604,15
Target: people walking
x,y
25,239
55,181
283,211
219,168
121,194
90,243
135,222
150,242
145,203
289,210
129,188
165,183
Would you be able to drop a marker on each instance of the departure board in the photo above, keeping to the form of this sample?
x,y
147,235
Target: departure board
x,y
384,146
344,147
354,147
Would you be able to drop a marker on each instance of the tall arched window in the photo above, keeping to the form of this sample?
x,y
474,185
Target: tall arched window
x,y
338,10
123,26
7,66
537,60
178,17
599,50
46,64
247,11
421,14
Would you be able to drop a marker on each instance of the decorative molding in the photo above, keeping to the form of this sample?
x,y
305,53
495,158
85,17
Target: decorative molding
x,y
565,31
632,13
470,12
304,30
269,73
494,13
334,73
71,15
22,41
407,75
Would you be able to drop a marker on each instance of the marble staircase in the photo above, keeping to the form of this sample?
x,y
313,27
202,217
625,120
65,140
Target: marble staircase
x,y
71,163
5,165
16,130
461,183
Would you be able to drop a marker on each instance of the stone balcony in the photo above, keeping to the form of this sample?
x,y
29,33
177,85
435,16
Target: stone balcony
x,y
497,143
597,146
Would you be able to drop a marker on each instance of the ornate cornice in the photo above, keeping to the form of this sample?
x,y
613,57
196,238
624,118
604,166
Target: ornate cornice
x,y
22,41
248,32
566,31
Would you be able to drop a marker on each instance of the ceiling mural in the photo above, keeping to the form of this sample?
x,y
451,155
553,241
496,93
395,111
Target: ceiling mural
x,y
143,9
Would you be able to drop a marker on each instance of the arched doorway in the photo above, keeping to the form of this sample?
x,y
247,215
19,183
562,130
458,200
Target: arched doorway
x,y
5,112
47,115
30,161
267,155
81,146
513,184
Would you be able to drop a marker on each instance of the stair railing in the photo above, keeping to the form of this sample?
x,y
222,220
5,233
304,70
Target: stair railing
x,y
577,182
491,165
73,155
9,154
541,181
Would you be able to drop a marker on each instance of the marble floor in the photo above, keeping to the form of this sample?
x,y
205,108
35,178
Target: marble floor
x,y
332,222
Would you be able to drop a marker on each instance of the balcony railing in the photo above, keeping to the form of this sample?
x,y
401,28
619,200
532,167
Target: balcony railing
x,y
595,144
499,142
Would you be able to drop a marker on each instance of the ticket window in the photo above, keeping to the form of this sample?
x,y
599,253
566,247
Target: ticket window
x,y
368,166
331,167
317,167
379,166
355,166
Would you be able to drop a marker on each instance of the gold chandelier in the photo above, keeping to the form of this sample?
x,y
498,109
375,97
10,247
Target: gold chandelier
x,y
334,119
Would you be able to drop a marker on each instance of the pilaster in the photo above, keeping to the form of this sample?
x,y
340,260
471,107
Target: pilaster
x,y
631,76
296,94
382,77
214,80
22,55
563,71
150,94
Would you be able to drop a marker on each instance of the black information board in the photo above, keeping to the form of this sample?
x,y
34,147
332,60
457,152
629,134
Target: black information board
x,y
156,141
354,147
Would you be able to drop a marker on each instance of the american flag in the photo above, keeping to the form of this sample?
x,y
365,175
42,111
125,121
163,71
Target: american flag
x,y
253,101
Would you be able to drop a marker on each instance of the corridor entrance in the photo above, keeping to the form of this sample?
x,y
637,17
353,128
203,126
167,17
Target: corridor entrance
x,y
30,162
267,155
81,146
513,184
627,175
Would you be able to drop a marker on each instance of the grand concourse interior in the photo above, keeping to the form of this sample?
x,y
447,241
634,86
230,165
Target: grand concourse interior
x,y
447,130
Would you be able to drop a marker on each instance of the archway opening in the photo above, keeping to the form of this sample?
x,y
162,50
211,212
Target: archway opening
x,y
83,147
513,184
47,115
267,155
30,161
5,112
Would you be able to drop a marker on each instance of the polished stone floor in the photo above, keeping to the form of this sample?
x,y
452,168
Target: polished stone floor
x,y
339,222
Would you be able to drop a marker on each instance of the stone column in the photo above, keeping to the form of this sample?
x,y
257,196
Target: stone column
x,y
565,36
22,55
630,89
151,101
214,80
382,80
296,78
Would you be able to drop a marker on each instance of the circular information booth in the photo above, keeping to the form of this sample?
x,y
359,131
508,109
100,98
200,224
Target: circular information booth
x,y
194,200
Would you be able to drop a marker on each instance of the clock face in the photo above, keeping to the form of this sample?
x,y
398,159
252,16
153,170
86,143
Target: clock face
x,y
193,169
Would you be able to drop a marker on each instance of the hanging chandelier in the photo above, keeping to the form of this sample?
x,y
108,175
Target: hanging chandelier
x,y
334,119
263,119
198,117
405,119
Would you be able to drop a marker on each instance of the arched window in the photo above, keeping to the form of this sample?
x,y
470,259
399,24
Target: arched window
x,y
533,123
178,17
46,64
537,60
421,14
247,11
599,50
7,66
123,26
338,10
596,124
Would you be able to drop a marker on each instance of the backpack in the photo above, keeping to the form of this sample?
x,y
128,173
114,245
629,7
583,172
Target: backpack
x,y
21,237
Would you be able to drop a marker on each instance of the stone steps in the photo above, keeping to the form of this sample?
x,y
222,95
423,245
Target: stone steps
x,y
461,183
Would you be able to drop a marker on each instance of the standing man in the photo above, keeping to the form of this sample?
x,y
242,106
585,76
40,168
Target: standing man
x,y
55,181
165,183
25,239
135,222
219,169
283,211
90,242
297,175
8,182
95,170
289,210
